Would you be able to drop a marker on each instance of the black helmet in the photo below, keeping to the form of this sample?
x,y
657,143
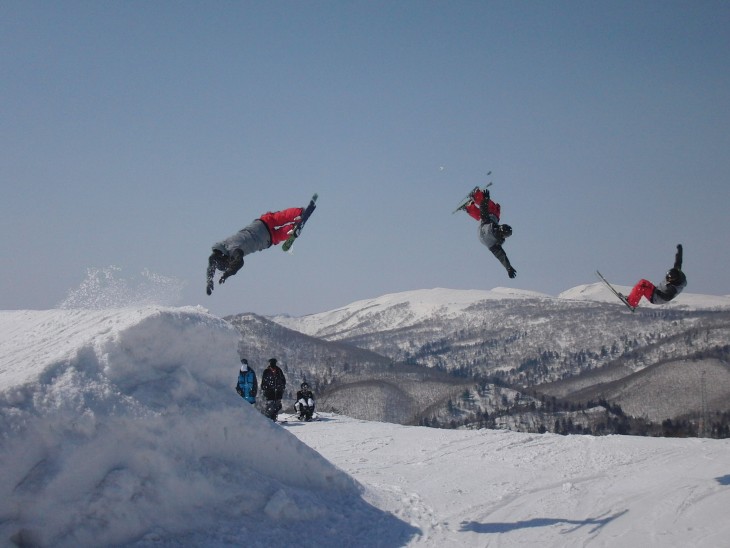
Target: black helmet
x,y
305,386
272,361
673,275
244,361
505,230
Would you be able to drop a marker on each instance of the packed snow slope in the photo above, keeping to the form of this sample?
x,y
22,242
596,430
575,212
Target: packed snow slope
x,y
500,488
121,427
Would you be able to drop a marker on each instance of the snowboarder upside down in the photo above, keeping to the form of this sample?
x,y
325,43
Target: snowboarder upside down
x,y
271,228
672,285
491,233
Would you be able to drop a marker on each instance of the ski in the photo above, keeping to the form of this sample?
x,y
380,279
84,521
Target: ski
x,y
468,198
286,246
621,297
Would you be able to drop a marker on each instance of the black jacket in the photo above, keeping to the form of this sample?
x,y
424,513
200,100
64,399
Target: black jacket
x,y
273,383
665,291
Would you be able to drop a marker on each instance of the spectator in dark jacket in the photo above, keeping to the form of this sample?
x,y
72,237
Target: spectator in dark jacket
x,y
304,405
273,384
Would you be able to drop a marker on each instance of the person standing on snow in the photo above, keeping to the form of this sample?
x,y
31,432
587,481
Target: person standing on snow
x,y
304,405
491,233
247,385
672,285
271,228
273,384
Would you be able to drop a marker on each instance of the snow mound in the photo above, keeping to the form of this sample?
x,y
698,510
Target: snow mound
x,y
122,426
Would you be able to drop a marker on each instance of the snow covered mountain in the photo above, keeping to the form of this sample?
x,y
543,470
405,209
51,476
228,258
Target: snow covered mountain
x,y
121,427
397,310
568,346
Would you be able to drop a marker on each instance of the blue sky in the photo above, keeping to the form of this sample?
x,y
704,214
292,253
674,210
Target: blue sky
x,y
137,134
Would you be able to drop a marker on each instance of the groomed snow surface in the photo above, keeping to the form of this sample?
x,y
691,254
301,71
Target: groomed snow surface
x,y
122,427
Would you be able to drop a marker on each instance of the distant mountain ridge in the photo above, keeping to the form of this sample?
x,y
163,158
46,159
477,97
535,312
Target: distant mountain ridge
x,y
511,345
425,303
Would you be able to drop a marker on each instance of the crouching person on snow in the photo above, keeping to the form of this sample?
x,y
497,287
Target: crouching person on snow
x,y
273,384
304,405
247,385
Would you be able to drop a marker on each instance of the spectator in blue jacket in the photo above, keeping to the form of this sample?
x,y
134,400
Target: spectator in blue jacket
x,y
247,385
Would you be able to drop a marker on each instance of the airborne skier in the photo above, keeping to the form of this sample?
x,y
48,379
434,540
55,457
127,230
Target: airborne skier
x,y
271,228
672,285
491,233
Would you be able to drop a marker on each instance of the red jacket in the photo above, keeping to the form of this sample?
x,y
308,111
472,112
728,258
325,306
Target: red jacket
x,y
280,223
473,208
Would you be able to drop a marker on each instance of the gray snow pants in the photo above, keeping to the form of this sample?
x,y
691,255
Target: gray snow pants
x,y
254,237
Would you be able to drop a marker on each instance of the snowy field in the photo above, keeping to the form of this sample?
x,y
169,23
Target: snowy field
x,y
500,488
122,427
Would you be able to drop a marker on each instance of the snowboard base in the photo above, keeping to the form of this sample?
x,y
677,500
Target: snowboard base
x,y
286,246
620,296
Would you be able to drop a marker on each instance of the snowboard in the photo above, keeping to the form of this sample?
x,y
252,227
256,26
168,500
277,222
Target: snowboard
x,y
621,297
286,246
468,198
294,417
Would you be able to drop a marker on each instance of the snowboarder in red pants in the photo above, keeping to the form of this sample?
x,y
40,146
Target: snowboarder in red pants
x,y
672,285
271,228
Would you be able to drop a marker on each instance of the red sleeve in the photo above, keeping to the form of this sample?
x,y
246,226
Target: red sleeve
x,y
473,208
280,223
275,219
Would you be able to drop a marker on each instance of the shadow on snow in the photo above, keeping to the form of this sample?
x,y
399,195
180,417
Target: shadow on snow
x,y
597,523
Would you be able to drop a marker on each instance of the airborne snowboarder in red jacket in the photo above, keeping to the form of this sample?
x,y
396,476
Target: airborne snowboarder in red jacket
x,y
271,228
491,233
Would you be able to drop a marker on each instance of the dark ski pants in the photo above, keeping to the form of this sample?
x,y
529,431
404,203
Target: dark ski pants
x,y
272,409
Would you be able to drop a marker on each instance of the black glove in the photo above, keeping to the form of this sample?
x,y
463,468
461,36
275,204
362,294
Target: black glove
x,y
679,247
511,272
239,390
209,287
223,279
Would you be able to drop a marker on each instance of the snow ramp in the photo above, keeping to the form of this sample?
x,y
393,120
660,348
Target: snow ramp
x,y
122,427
